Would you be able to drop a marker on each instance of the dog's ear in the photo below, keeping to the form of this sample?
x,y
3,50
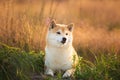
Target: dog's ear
x,y
70,27
52,24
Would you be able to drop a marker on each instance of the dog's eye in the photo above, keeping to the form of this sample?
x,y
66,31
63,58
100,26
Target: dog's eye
x,y
66,33
58,32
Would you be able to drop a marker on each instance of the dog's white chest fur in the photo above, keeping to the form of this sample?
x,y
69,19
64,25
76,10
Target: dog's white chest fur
x,y
59,58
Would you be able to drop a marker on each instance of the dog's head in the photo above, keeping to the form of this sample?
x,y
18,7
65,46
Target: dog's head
x,y
59,35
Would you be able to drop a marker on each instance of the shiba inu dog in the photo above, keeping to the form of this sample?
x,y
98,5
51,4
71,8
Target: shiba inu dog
x,y
60,54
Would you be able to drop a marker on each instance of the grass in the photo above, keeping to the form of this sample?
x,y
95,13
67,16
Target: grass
x,y
16,64
104,67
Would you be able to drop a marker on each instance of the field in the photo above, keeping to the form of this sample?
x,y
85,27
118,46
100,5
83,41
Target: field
x,y
23,27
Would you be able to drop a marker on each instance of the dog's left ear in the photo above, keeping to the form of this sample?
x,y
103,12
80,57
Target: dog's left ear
x,y
70,27
52,24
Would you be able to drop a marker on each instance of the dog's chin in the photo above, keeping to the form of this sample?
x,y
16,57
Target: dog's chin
x,y
62,44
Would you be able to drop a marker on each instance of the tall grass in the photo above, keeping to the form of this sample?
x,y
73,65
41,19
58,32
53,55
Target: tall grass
x,y
24,24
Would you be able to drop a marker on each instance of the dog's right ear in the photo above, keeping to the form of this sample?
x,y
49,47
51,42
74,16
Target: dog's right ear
x,y
52,24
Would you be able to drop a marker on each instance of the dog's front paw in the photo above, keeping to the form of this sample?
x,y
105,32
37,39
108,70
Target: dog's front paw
x,y
66,74
49,72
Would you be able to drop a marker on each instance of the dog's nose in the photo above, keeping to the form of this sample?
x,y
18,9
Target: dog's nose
x,y
63,40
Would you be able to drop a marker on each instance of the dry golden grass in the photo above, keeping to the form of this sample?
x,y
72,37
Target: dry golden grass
x,y
23,24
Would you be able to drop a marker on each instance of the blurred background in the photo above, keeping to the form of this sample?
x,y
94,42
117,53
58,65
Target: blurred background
x,y
97,23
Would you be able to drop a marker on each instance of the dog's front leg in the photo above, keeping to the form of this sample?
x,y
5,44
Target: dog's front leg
x,y
68,73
